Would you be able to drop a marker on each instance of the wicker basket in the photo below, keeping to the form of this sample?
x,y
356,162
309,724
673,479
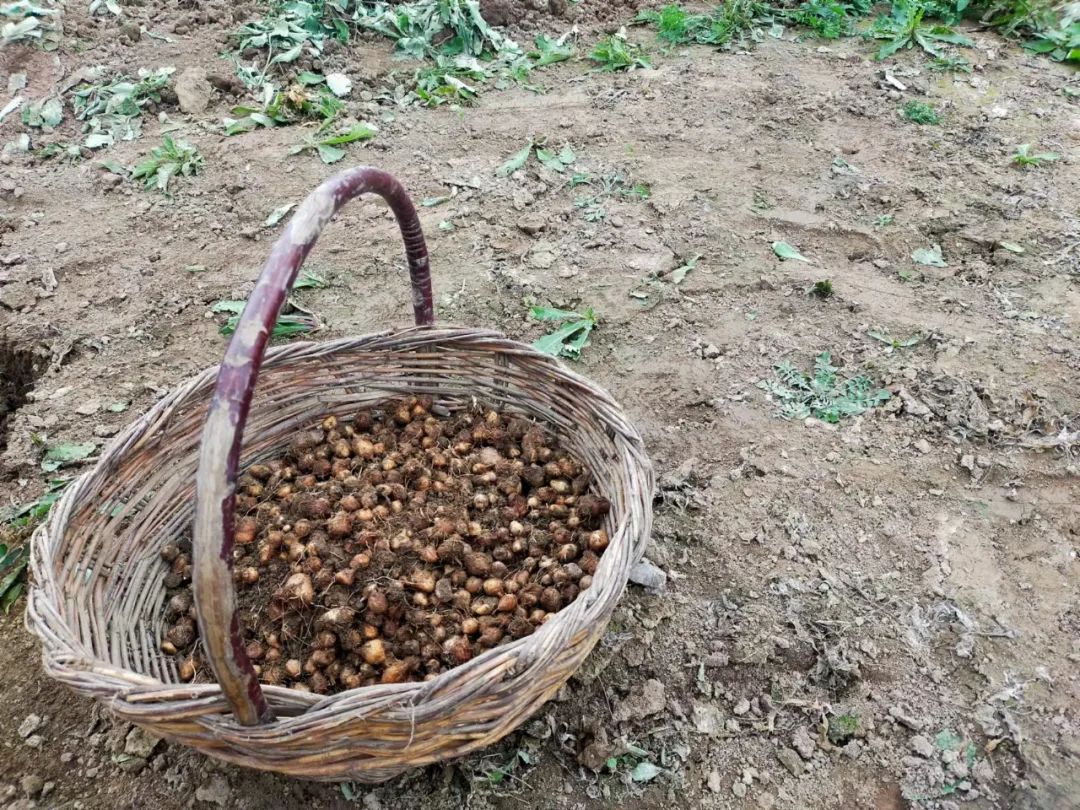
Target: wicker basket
x,y
98,593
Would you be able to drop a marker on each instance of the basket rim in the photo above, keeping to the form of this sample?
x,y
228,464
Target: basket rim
x,y
153,690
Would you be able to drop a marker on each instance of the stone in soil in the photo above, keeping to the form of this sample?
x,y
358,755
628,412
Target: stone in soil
x,y
648,576
32,785
140,743
28,726
646,700
193,90
707,719
214,791
922,746
802,742
792,761
714,783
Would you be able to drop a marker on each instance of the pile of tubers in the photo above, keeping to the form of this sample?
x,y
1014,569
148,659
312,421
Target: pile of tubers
x,y
396,545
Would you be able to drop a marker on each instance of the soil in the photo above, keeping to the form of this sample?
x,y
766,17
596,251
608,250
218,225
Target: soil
x,y
877,614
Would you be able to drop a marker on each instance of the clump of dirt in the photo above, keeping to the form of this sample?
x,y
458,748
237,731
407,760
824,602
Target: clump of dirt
x,y
398,545
19,369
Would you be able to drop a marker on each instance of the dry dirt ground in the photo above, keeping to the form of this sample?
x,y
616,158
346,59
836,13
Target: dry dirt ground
x,y
882,614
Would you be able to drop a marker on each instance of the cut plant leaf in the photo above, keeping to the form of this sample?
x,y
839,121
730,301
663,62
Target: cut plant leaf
x,y
340,84
516,161
60,455
278,214
681,272
644,772
570,338
930,256
289,323
787,252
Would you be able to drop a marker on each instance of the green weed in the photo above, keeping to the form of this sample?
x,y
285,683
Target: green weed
x,y
919,112
842,728
29,514
729,21
495,776
822,289
616,53
823,395
283,107
447,82
604,187
171,159
892,343
943,64
904,28
12,567
1025,158
829,19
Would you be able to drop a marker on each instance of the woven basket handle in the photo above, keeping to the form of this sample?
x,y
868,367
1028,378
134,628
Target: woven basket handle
x,y
215,595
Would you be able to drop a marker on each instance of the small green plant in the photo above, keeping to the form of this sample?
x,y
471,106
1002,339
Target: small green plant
x,y
284,107
919,112
615,53
823,396
1024,157
729,21
605,187
884,220
895,343
943,64
328,144
1061,41
171,159
904,28
829,19
12,567
558,161
570,338
29,514
842,728
495,776
16,523
822,289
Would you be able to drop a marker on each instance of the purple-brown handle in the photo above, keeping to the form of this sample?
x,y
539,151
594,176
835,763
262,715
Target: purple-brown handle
x,y
219,454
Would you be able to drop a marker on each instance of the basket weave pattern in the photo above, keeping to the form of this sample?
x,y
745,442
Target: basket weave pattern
x,y
97,602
